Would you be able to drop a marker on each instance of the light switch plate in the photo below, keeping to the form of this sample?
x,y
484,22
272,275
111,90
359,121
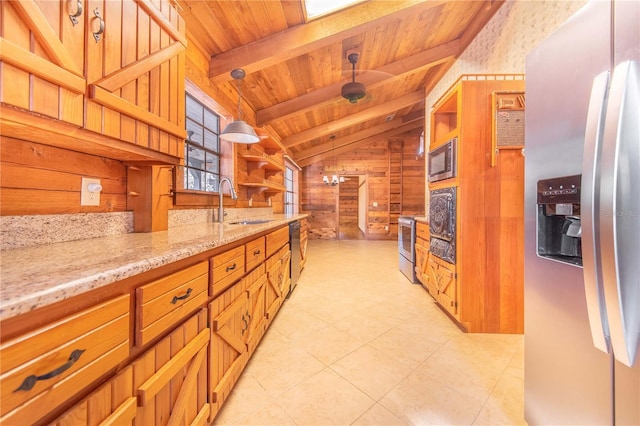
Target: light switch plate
x,y
89,198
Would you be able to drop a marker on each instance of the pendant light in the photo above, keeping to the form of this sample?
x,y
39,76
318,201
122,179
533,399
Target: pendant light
x,y
334,178
239,131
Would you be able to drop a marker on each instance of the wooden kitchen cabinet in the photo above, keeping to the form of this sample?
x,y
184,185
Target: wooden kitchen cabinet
x,y
256,285
190,347
112,404
443,284
162,303
118,73
484,290
43,58
228,353
226,268
44,368
170,379
278,281
422,257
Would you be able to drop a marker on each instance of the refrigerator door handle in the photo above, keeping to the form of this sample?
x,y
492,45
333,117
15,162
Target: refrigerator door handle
x,y
620,211
589,203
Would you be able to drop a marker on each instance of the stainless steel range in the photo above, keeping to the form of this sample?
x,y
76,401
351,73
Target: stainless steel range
x,y
406,247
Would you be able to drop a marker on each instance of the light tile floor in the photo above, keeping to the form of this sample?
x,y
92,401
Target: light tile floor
x,y
358,344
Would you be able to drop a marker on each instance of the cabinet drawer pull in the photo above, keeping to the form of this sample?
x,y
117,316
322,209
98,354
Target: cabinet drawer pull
x,y
176,298
231,268
257,252
31,381
73,14
97,32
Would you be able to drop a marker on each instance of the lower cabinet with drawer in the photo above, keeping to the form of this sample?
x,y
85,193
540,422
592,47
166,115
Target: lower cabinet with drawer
x,y
46,367
194,325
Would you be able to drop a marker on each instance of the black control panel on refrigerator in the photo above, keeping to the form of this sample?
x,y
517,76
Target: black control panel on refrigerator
x,y
558,222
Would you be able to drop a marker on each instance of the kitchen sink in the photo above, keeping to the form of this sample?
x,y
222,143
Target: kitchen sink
x,y
250,222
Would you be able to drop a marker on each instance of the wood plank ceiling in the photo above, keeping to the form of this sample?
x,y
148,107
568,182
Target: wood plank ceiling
x,y
295,69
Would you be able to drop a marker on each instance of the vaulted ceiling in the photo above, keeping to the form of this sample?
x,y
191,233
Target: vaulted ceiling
x,y
295,69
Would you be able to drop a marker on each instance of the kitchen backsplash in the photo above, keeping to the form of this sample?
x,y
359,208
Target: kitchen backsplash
x,y
26,231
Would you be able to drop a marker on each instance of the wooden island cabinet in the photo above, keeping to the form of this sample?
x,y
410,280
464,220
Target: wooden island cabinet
x,y
162,347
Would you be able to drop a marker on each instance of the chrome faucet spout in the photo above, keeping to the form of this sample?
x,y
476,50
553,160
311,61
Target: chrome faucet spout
x,y
234,196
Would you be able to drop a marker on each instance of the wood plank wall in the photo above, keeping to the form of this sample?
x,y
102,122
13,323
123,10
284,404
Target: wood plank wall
x,y
320,200
40,179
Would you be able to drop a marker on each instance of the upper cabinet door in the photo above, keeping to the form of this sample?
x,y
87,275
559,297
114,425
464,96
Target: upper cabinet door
x,y
42,56
135,73
114,67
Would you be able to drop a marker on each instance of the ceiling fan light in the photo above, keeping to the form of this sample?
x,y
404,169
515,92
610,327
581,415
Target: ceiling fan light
x,y
353,91
239,132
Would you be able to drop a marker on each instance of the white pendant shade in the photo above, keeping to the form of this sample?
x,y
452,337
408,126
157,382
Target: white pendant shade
x,y
239,132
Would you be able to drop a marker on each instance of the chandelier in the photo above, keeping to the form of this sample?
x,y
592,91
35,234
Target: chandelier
x,y
334,178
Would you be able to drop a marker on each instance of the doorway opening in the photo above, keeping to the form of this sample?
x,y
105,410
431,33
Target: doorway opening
x,y
352,211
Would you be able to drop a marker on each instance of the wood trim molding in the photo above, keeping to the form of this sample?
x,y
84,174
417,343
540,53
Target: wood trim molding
x,y
110,100
40,27
34,64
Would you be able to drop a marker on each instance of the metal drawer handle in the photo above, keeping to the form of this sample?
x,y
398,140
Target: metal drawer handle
x,y
231,268
257,252
176,298
31,381
78,11
98,32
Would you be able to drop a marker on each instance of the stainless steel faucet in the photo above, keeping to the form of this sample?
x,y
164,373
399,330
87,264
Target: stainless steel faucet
x,y
234,196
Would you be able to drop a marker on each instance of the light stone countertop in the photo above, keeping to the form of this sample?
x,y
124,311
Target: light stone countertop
x,y
34,277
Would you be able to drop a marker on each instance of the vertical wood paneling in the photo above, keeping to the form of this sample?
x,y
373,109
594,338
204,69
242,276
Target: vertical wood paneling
x,y
319,200
95,57
15,82
112,61
129,44
45,95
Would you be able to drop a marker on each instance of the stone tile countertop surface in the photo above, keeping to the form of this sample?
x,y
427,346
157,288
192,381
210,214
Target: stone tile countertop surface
x,y
34,277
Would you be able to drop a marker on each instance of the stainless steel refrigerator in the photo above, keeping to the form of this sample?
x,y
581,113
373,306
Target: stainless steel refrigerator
x,y
582,220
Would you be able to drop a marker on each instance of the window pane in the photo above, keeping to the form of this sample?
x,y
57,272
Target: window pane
x,y
211,140
194,109
212,182
196,158
213,163
196,135
210,120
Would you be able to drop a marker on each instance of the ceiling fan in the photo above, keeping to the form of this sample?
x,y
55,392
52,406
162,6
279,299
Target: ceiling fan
x,y
353,91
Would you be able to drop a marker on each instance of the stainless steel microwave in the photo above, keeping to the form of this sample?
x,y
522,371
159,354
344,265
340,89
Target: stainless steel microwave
x,y
442,161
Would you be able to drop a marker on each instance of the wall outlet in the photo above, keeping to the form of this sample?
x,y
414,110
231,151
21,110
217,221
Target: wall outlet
x,y
90,194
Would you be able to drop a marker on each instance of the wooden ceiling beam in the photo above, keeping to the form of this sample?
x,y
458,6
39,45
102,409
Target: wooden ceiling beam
x,y
350,147
355,137
353,119
426,59
314,35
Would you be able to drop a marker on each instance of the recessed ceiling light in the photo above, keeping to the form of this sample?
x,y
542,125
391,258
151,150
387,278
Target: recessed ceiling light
x,y
317,8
